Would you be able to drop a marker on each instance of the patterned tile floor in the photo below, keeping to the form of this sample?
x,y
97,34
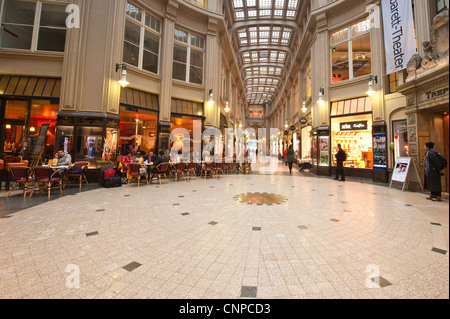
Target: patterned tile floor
x,y
328,240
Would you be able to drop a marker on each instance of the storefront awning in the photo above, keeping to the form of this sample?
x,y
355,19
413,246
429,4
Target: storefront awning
x,y
30,86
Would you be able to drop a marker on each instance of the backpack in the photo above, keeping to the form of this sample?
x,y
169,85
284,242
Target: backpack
x,y
442,161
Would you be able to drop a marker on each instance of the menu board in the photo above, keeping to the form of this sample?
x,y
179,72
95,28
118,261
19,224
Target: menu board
x,y
379,151
40,141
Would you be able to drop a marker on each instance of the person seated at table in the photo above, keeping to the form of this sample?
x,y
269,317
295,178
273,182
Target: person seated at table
x,y
163,158
64,159
150,157
122,167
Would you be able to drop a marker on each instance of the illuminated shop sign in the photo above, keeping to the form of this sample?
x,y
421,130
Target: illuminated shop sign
x,y
354,126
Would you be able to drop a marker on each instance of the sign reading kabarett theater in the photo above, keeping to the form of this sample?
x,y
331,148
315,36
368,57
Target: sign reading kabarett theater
x,y
399,41
354,126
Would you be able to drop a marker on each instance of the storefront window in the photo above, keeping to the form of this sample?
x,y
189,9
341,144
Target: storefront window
x,y
64,138
89,143
13,138
109,148
354,133
137,130
400,132
306,143
15,110
42,112
190,124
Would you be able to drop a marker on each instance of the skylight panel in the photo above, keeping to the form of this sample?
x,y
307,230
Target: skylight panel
x,y
279,3
290,13
264,13
238,4
265,4
252,13
240,15
251,3
293,4
278,13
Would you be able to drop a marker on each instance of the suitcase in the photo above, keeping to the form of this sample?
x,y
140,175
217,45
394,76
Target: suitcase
x,y
109,173
112,181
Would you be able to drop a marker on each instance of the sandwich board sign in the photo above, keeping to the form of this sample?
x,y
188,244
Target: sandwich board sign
x,y
405,171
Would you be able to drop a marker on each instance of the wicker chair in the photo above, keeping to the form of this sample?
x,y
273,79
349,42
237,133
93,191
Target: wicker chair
x,y
190,170
21,176
45,178
78,177
135,172
160,170
209,168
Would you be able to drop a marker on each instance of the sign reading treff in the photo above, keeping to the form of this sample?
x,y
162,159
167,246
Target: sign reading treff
x,y
354,126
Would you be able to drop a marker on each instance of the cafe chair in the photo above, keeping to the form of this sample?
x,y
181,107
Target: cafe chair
x,y
178,169
21,176
46,177
191,169
247,167
78,177
209,169
136,173
218,169
161,170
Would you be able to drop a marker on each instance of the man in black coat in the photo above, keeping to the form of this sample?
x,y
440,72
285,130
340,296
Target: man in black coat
x,y
340,159
432,167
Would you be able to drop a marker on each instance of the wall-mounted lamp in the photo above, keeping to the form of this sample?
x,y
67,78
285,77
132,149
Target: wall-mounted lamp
x,y
211,101
304,106
8,126
123,81
371,91
32,129
286,125
321,93
240,124
227,107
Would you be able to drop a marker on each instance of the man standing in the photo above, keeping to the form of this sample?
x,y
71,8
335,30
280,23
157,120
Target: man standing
x,y
432,165
340,159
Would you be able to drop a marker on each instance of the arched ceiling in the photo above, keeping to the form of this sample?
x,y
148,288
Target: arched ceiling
x,y
263,33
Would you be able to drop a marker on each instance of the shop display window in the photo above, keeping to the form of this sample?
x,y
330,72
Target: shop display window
x,y
137,130
64,138
400,132
306,143
354,133
324,144
89,143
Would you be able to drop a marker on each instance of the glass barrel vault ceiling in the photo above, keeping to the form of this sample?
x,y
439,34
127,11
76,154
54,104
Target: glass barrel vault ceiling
x,y
263,33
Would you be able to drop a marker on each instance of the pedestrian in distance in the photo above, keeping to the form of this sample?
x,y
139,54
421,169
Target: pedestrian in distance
x,y
340,156
433,164
290,158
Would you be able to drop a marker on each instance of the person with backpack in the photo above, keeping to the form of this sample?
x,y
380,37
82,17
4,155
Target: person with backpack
x,y
341,157
434,163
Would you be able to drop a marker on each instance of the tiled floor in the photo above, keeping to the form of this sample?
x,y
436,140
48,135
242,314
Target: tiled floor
x,y
328,240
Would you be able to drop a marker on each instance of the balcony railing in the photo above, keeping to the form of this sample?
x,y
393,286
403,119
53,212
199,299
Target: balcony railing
x,y
200,3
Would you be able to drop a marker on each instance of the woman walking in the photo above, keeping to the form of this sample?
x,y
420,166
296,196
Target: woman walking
x,y
290,158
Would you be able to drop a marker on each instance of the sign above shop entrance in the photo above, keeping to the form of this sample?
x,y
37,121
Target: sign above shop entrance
x,y
303,120
353,126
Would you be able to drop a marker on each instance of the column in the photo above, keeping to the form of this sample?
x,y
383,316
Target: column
x,y
90,81
166,65
378,58
212,72
320,66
